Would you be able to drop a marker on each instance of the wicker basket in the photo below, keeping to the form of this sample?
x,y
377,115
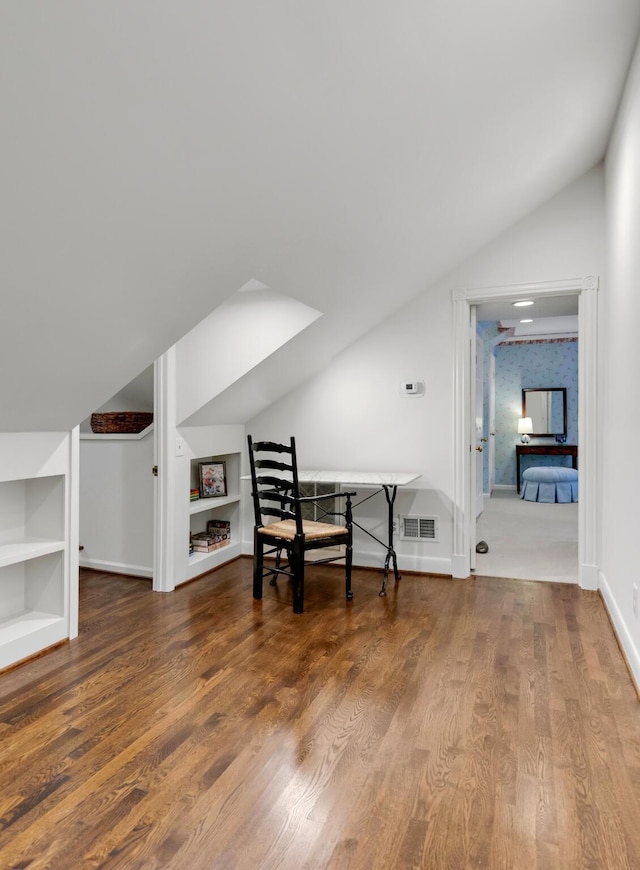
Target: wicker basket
x,y
121,421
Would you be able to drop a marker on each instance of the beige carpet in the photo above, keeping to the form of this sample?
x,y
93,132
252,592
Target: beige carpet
x,y
528,540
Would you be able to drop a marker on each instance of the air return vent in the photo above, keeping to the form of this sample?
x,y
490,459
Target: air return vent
x,y
419,528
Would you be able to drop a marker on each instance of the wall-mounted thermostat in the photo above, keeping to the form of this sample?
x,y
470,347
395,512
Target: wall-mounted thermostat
x,y
412,389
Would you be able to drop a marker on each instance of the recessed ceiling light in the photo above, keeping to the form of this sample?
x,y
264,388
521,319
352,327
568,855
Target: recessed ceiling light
x,y
523,303
527,320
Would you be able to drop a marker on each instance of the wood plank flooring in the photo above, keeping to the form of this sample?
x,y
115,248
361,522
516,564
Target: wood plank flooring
x,y
455,724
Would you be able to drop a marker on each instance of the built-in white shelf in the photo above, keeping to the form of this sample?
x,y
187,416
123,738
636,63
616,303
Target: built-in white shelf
x,y
200,563
29,622
116,436
27,548
33,601
196,558
226,507
207,504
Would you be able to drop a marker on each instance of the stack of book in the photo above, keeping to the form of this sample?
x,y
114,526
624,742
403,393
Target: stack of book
x,y
194,494
216,536
222,528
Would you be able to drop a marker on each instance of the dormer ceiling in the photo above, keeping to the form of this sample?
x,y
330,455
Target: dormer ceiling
x,y
159,155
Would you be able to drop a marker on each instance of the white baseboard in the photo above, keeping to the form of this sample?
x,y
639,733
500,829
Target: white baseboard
x,y
508,486
421,564
589,577
629,649
460,566
117,568
375,559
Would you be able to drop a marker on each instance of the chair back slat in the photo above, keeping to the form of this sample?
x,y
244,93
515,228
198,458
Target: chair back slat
x,y
276,495
277,512
272,465
277,482
271,447
277,504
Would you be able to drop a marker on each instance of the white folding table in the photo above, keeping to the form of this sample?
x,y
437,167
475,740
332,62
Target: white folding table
x,y
381,481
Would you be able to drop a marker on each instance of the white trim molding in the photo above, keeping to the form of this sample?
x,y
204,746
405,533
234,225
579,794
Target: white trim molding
x,y
587,417
627,642
586,288
145,571
562,287
74,532
164,489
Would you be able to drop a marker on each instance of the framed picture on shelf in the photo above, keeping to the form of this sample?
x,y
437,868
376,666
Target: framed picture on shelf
x,y
213,479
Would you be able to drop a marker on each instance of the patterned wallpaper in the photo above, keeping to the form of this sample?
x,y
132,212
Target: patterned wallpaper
x,y
552,363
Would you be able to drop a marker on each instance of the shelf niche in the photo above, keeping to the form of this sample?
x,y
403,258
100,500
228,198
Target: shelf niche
x,y
225,507
32,566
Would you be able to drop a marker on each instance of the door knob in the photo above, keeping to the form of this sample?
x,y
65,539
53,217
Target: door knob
x,y
480,448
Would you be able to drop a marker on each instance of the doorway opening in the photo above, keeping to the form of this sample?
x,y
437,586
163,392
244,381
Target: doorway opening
x,y
464,519
526,366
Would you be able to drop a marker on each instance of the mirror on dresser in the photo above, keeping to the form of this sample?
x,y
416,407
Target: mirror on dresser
x,y
547,407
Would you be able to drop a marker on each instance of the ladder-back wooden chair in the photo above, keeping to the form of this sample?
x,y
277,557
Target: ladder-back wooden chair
x,y
276,494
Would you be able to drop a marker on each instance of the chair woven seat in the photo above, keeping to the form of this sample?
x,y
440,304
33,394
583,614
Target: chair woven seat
x,y
312,530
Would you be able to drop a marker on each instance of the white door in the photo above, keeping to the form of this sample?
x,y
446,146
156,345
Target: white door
x,y
475,432
480,441
491,444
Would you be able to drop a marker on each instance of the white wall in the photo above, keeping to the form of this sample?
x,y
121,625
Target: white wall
x,y
116,505
620,414
352,415
233,339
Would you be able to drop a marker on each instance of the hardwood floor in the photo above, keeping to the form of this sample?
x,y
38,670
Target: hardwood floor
x,y
455,724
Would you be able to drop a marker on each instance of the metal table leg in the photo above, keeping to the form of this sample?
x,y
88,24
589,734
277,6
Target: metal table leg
x,y
390,495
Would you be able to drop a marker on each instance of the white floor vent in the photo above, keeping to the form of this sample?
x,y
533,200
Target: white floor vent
x,y
419,528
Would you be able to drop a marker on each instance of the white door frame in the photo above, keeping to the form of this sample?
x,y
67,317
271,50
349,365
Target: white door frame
x,y
477,404
464,500
164,460
491,434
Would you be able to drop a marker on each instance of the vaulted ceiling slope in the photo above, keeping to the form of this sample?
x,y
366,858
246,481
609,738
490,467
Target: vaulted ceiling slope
x,y
159,155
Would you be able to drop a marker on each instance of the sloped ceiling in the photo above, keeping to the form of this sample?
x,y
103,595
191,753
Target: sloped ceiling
x,y
159,155
232,341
